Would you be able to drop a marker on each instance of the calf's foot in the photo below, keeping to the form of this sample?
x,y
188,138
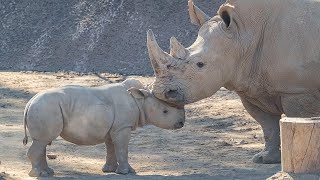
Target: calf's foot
x,y
125,169
110,167
268,157
35,172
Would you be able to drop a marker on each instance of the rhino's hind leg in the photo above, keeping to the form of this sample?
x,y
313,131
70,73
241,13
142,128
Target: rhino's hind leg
x,y
111,164
37,156
121,142
271,154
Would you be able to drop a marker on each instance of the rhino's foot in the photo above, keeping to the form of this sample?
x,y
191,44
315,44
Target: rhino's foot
x,y
267,157
125,170
35,172
131,170
109,167
49,171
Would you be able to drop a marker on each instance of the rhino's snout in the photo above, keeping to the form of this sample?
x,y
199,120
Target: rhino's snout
x,y
179,125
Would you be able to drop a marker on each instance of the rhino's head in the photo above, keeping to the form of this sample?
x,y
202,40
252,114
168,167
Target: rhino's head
x,y
186,75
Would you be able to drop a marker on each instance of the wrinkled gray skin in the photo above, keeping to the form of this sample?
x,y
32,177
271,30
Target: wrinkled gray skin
x,y
268,51
90,116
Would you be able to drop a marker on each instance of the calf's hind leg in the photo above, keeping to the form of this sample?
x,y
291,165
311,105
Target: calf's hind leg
x,y
37,156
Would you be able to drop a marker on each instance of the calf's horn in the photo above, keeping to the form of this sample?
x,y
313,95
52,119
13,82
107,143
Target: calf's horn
x,y
176,49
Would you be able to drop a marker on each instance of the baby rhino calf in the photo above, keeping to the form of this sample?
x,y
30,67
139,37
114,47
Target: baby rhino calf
x,y
90,116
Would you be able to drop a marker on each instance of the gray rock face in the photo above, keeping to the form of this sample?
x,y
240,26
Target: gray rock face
x,y
90,35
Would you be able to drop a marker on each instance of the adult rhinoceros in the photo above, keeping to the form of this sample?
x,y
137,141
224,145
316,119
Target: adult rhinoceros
x,y
268,51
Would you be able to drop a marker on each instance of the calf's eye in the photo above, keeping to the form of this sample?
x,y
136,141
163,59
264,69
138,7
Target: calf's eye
x,y
200,64
165,111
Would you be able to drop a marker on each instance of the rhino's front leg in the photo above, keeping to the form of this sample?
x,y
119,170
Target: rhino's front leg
x,y
111,164
121,141
270,125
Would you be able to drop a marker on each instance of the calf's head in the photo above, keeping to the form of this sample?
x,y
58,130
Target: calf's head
x,y
158,112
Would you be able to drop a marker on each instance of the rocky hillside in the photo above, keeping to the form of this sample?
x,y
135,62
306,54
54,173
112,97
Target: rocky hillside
x,y
90,35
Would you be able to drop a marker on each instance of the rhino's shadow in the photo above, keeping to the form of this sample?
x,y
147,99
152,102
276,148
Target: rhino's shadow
x,y
8,93
241,174
12,102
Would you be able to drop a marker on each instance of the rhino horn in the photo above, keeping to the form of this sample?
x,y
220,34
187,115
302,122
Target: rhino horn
x,y
176,49
157,56
197,16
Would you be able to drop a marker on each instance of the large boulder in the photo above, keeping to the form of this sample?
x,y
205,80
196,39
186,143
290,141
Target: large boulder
x,y
90,35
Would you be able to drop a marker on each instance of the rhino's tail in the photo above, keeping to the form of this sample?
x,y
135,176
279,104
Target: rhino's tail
x,y
25,139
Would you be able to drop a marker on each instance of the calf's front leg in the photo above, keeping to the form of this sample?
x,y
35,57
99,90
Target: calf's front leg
x,y
120,140
111,164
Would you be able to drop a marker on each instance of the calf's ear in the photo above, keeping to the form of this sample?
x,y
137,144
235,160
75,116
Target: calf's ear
x,y
138,93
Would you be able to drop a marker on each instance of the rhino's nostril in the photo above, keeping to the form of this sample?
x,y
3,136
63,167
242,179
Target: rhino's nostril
x,y
171,94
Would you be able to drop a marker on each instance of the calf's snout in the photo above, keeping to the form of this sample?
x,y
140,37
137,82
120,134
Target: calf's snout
x,y
179,125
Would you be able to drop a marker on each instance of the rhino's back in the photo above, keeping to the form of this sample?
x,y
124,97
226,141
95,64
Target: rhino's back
x,y
88,115
126,111
85,118
288,58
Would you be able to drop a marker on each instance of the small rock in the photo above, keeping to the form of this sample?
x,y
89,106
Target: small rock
x,y
52,156
224,143
315,118
242,142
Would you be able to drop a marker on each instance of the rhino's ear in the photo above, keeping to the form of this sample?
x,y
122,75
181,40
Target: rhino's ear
x,y
197,16
138,93
225,12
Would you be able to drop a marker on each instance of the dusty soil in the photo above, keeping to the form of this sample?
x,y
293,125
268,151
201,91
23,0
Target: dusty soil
x,y
217,142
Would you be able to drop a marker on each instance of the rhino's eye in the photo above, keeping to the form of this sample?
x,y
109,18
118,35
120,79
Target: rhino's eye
x,y
165,111
200,64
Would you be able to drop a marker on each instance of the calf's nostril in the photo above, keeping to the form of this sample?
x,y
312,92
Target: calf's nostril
x,y
179,125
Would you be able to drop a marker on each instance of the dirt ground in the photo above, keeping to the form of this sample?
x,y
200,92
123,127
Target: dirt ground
x,y
217,142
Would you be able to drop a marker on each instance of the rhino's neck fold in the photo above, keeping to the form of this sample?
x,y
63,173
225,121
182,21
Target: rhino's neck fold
x,y
142,116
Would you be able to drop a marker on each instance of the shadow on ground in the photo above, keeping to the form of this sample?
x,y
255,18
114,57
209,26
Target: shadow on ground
x,y
241,174
7,94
